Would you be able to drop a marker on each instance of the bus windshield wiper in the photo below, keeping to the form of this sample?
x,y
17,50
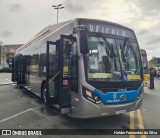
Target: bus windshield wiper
x,y
124,52
126,47
109,48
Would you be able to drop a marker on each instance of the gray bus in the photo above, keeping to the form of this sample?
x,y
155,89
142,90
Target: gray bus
x,y
83,67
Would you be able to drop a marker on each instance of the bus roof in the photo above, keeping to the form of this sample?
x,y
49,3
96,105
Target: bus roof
x,y
93,25
44,32
107,27
101,21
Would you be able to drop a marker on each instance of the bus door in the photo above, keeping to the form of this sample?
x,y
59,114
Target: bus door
x,y
65,93
53,74
58,74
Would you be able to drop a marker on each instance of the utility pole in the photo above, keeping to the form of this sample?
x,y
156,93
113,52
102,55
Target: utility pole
x,y
0,51
58,7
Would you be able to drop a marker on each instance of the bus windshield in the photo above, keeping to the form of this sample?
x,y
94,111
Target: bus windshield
x,y
109,58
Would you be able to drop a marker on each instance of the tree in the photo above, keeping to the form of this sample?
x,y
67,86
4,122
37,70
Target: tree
x,y
154,62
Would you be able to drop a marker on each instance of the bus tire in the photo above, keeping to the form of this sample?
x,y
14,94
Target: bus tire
x,y
44,97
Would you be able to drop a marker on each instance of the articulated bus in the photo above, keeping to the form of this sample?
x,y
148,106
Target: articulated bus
x,y
145,67
83,68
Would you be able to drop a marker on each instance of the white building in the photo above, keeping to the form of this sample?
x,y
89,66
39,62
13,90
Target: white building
x,y
6,53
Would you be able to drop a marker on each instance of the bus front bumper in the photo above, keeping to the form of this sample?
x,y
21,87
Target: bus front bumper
x,y
90,110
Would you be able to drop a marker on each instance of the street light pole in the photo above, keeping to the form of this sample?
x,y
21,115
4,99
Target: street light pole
x,y
57,14
57,7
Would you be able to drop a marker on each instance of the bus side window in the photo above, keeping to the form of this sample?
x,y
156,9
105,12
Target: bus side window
x,y
74,67
42,64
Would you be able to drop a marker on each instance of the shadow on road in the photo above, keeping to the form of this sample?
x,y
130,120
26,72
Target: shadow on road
x,y
117,121
107,122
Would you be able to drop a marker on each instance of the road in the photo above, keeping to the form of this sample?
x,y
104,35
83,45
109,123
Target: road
x,y
22,110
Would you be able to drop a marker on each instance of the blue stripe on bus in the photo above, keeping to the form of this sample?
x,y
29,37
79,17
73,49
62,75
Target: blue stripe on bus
x,y
115,97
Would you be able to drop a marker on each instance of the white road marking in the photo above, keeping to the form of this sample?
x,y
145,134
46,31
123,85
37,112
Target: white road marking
x,y
9,80
8,118
4,83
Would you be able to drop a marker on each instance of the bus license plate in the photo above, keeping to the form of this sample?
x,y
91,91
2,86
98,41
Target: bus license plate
x,y
120,111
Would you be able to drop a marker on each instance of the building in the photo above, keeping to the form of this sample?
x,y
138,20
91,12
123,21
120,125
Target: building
x,y
6,54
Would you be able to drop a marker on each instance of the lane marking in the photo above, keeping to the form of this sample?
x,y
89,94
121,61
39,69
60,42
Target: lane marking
x,y
4,82
8,118
9,80
131,126
140,122
7,83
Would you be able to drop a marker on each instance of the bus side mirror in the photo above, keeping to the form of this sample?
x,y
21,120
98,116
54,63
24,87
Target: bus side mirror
x,y
83,42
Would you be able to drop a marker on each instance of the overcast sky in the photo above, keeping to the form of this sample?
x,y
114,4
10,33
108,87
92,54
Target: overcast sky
x,y
20,20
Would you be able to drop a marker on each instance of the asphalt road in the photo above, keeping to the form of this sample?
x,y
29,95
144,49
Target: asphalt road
x,y
22,110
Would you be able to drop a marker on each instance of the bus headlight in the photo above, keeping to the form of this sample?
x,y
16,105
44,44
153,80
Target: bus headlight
x,y
91,96
88,93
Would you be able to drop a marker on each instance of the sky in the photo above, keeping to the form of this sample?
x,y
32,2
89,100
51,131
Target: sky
x,y
20,20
